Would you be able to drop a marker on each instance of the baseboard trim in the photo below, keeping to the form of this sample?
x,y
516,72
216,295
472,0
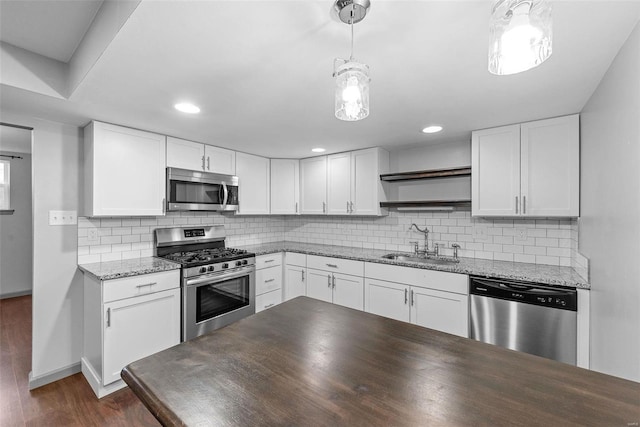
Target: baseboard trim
x,y
95,382
15,294
58,374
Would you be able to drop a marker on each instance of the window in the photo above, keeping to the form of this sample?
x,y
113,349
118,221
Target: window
x,y
5,201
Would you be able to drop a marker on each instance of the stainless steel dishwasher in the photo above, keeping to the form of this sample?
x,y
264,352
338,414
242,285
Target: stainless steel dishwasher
x,y
523,316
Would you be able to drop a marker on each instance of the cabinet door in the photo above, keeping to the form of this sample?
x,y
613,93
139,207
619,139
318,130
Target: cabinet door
x,y
339,184
319,285
442,311
313,185
285,186
138,327
295,284
387,299
550,167
125,171
348,291
219,160
495,171
366,187
253,184
185,154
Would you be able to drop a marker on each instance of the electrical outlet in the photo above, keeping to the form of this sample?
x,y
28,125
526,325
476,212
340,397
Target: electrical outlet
x,y
480,232
521,234
92,235
63,217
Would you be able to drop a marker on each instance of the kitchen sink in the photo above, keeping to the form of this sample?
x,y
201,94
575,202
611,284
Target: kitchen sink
x,y
413,258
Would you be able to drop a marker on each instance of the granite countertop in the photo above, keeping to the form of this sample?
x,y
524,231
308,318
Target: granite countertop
x,y
127,267
544,274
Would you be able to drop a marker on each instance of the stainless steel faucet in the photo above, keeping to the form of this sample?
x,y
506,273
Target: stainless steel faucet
x,y
425,251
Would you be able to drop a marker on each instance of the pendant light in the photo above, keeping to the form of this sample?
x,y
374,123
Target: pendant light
x,y
520,35
351,77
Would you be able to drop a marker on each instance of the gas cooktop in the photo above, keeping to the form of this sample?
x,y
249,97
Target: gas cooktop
x,y
206,256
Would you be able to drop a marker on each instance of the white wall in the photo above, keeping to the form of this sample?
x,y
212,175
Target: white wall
x,y
16,273
610,207
57,282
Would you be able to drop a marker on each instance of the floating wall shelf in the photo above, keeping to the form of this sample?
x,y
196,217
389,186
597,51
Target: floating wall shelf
x,y
426,174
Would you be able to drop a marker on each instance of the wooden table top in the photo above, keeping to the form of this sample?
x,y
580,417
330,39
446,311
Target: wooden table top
x,y
306,362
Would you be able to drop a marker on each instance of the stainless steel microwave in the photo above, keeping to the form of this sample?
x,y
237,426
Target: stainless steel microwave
x,y
189,190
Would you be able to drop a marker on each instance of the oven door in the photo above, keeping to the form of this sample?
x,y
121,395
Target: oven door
x,y
216,300
201,191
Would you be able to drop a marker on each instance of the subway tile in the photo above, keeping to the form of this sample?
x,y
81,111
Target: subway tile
x,y
130,254
83,250
111,256
524,258
84,222
491,247
503,257
565,234
547,242
130,239
131,222
88,259
119,231
547,260
110,222
561,252
515,249
503,240
99,249
535,250
147,222
108,240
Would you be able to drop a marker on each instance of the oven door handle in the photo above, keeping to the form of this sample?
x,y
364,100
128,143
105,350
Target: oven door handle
x,y
212,278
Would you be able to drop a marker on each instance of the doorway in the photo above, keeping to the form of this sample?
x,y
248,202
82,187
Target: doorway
x,y
16,225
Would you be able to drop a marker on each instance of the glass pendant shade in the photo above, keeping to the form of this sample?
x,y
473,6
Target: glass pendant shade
x,y
520,35
352,90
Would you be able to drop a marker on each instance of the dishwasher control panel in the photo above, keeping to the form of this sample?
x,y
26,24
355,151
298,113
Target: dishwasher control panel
x,y
531,293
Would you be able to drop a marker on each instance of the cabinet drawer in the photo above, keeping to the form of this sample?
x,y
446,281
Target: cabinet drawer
x,y
336,265
116,289
293,258
268,300
424,278
268,279
264,261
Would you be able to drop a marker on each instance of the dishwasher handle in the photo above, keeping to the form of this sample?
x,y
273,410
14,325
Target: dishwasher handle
x,y
560,298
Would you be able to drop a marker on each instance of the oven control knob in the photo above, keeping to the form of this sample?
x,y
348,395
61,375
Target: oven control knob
x,y
211,268
238,263
225,265
244,262
203,270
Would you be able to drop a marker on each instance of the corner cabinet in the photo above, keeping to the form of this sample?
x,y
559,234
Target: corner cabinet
x,y
253,184
285,186
313,185
124,171
196,156
125,320
527,170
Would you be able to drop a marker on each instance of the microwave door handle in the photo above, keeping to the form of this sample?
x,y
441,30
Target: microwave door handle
x,y
226,196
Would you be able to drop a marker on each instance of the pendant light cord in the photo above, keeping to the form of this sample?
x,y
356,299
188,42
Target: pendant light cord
x,y
353,12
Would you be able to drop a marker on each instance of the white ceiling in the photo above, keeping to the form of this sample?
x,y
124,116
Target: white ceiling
x,y
261,72
49,28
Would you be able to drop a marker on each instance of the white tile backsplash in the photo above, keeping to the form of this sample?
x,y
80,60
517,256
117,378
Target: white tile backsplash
x,y
548,241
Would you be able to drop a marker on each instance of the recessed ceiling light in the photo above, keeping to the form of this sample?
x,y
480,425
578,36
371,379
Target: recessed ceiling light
x,y
318,150
185,107
432,129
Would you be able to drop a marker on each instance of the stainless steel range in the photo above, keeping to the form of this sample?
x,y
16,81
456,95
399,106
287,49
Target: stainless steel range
x,y
218,283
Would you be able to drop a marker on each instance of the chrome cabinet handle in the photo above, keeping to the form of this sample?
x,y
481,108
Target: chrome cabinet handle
x,y
324,207
328,280
412,300
332,265
269,280
146,284
164,206
524,204
269,260
351,207
208,163
108,317
270,305
406,291
202,162
302,275
296,207
516,204
347,207
334,281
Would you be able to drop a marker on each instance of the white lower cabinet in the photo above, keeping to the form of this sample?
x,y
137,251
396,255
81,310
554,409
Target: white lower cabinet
x,y
338,288
295,271
268,281
432,299
125,320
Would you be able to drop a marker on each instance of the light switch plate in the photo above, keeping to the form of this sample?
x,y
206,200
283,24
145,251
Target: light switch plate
x,y
480,232
521,234
63,217
92,235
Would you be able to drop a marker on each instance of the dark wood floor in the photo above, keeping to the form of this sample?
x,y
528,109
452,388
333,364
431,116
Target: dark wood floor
x,y
68,402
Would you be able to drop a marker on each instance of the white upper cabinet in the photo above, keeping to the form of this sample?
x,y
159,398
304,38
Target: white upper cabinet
x,y
253,184
124,171
530,169
285,186
196,156
313,185
353,182
219,160
339,184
